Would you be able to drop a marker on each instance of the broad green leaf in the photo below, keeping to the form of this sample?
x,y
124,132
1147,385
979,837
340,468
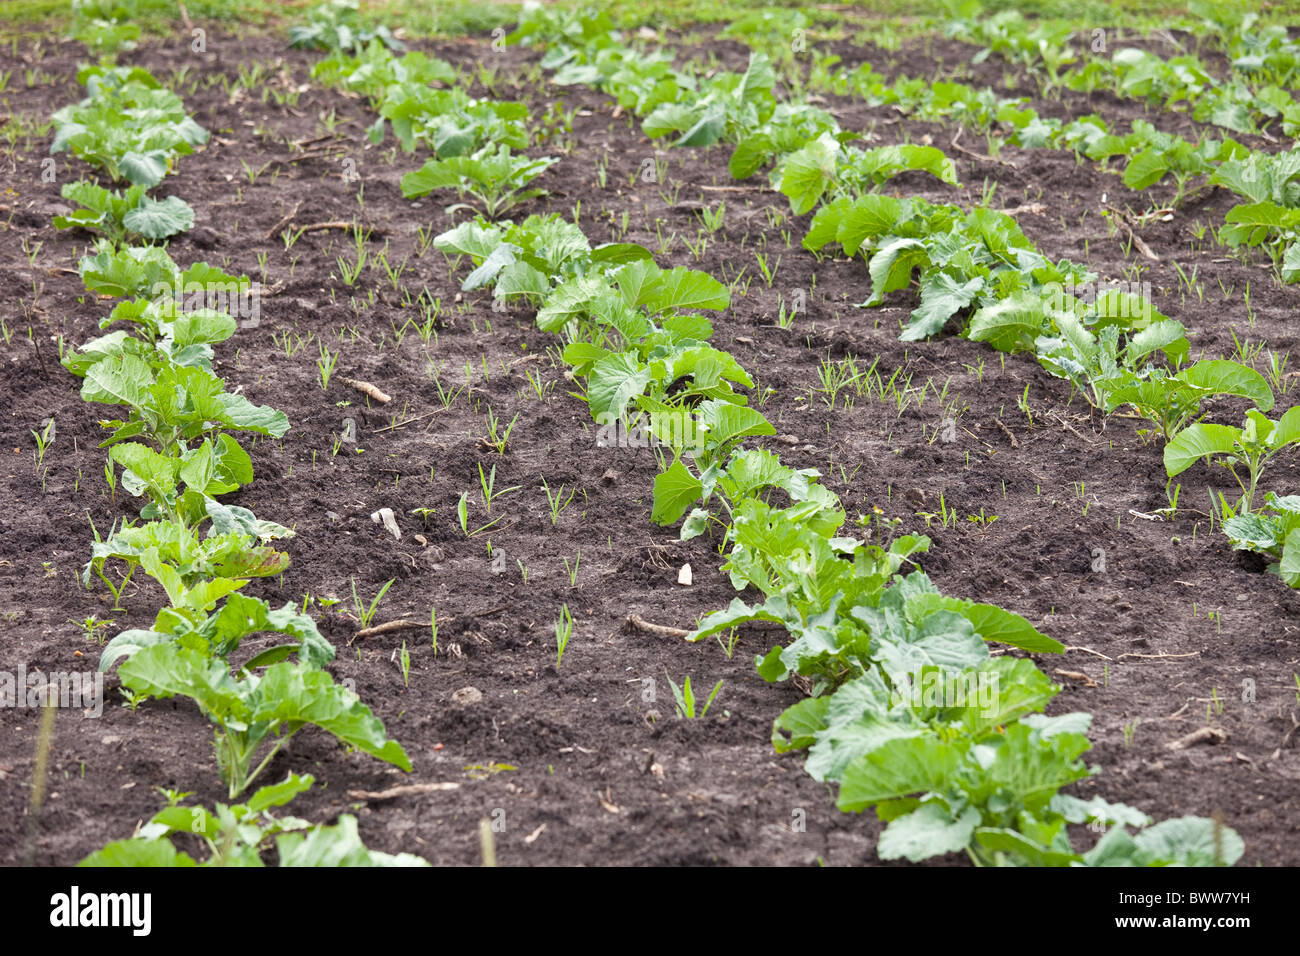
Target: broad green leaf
x,y
1198,441
675,490
927,832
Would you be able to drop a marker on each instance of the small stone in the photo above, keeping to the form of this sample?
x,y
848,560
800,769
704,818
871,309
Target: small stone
x,y
684,575
109,739
466,696
610,476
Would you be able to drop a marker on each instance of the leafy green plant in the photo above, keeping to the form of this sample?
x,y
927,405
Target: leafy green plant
x,y
117,214
827,167
252,710
493,178
1272,530
239,835
1172,401
333,26
129,125
1243,451
563,631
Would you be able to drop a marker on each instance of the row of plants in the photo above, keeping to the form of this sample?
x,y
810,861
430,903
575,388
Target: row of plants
x,y
130,128
976,775
476,143
175,448
1257,92
812,157
1110,344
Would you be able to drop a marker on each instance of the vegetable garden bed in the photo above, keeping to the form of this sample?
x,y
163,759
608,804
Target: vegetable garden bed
x,y
514,513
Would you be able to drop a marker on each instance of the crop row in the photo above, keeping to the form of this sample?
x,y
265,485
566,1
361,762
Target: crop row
x,y
175,448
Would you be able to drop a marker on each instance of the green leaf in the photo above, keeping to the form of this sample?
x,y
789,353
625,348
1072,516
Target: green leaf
x,y
806,174
1011,325
942,297
926,832
682,288
336,846
138,853
1189,841
899,768
1198,441
615,380
156,219
891,267
1221,377
675,490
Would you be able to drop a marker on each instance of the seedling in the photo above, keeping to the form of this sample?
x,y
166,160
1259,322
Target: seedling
x,y
572,572
563,631
367,614
325,365
557,502
685,698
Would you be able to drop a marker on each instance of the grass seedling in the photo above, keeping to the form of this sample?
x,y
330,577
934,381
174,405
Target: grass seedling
x,y
557,502
488,484
367,614
685,698
563,631
572,572
405,661
325,365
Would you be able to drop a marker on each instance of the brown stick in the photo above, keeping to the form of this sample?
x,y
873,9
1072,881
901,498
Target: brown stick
x,y
418,418
1205,735
1089,650
663,630
283,222
371,390
304,143
339,224
1007,431
406,790
1081,677
404,625
962,149
1158,657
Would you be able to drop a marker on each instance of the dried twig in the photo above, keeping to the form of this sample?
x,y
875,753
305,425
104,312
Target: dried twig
x,y
663,630
1081,677
340,224
371,390
974,155
1089,650
1007,431
417,418
405,625
1205,735
406,790
270,233
1158,657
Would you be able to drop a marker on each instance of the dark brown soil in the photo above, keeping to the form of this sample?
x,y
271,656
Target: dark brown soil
x,y
587,770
